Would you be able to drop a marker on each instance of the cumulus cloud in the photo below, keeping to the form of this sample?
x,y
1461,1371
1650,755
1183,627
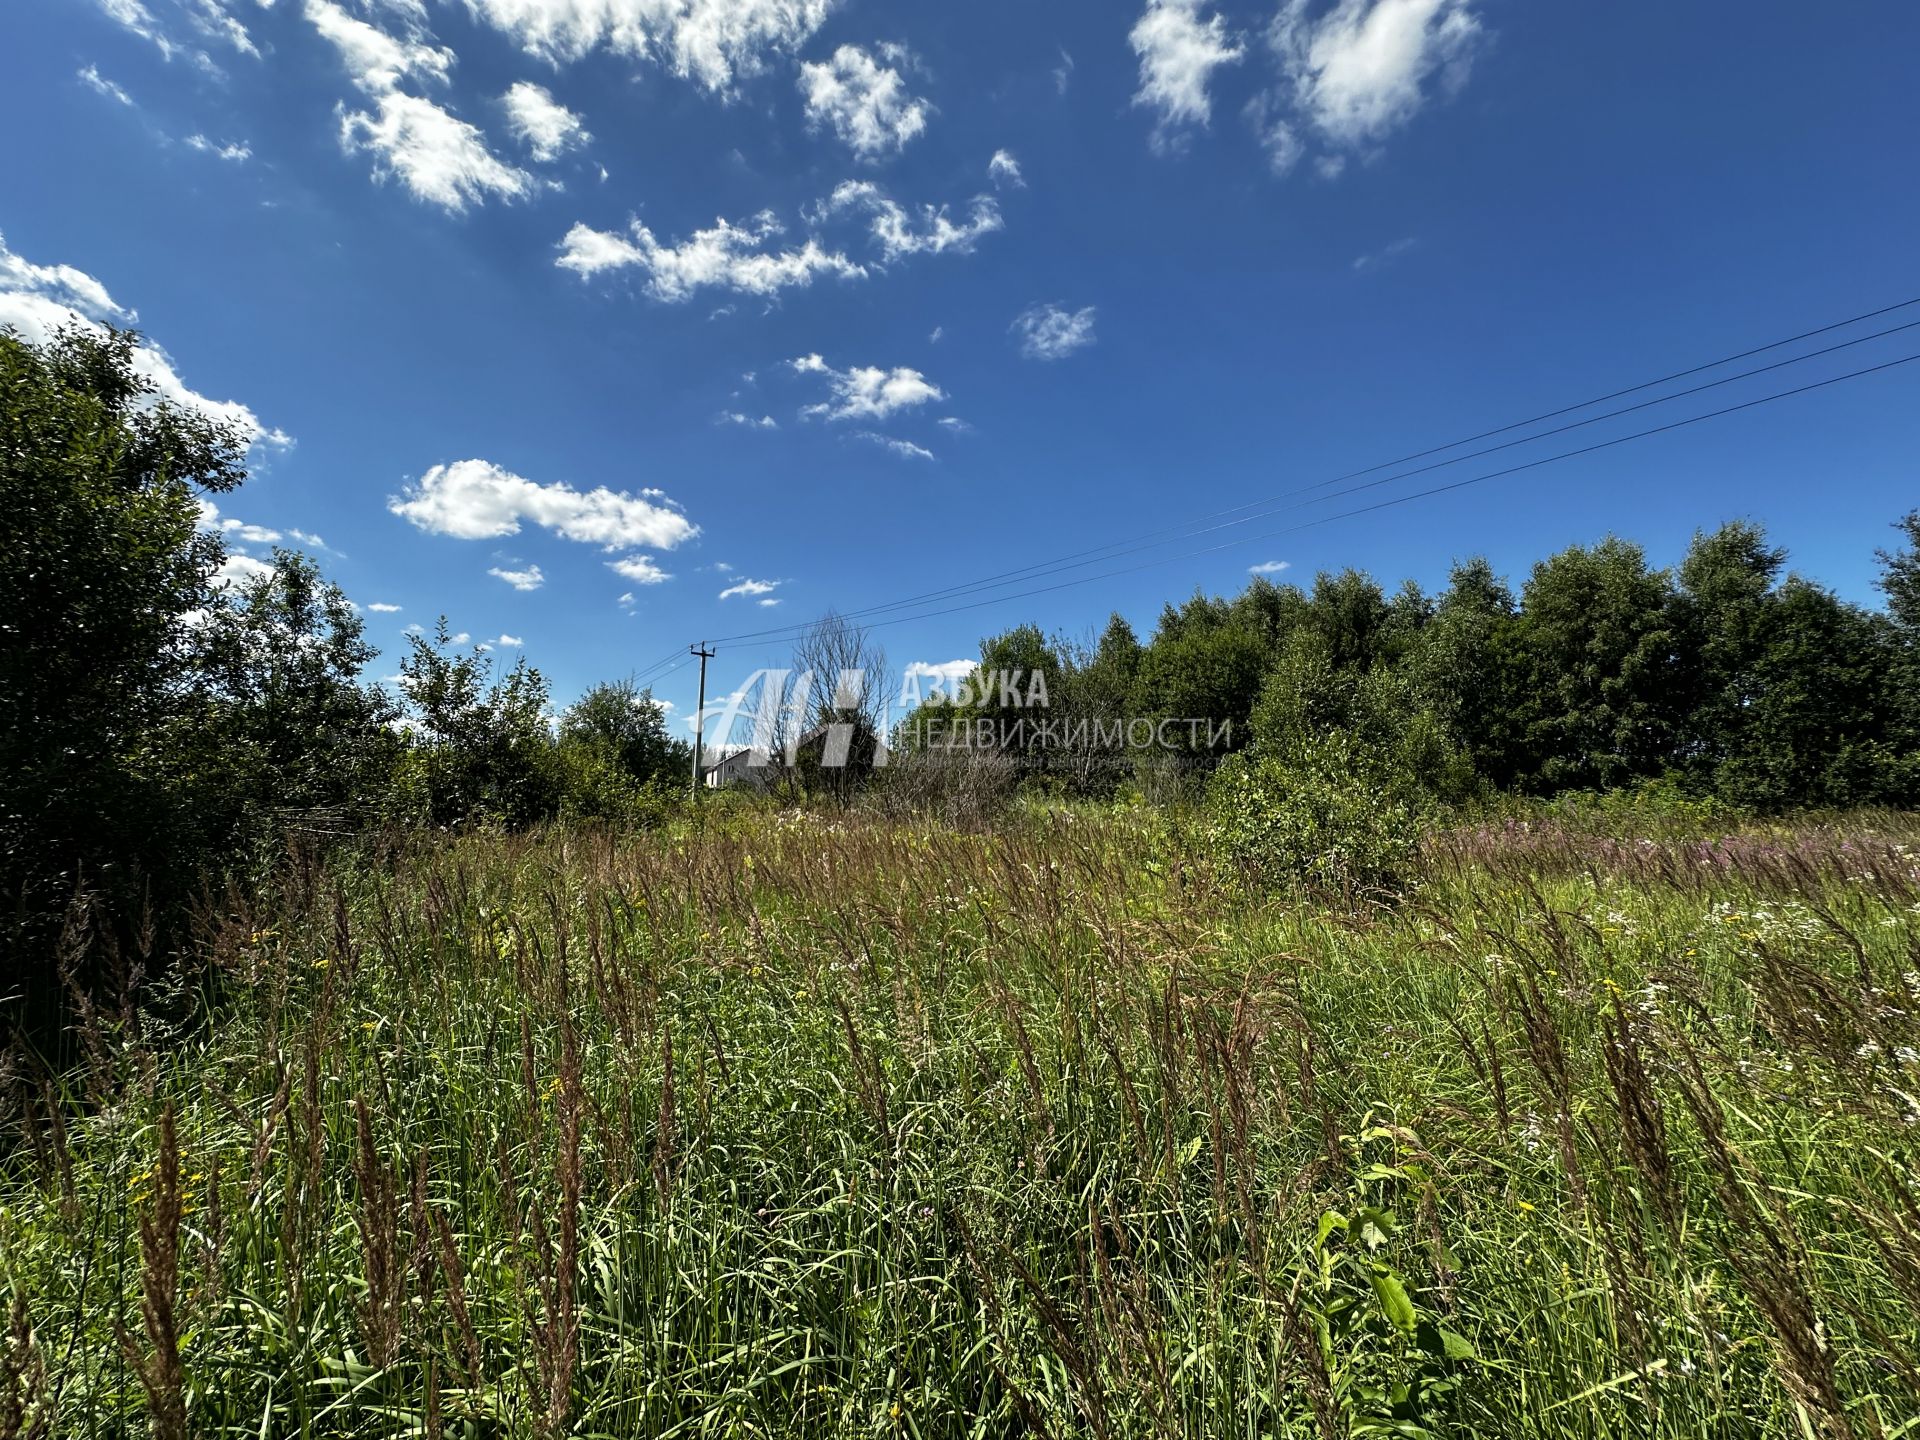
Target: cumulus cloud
x,y
509,642
640,569
734,417
929,230
527,579
726,256
867,392
1361,70
100,85
1003,169
711,42
767,604
39,299
478,500
439,157
751,588
1179,51
433,152
546,127
864,102
380,607
1270,567
238,569
1050,332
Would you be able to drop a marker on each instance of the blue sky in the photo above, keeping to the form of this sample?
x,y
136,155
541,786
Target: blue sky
x,y
857,301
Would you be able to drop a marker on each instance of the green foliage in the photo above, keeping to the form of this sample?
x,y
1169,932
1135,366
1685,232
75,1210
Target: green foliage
x,y
284,731
1606,686
101,577
489,754
1316,816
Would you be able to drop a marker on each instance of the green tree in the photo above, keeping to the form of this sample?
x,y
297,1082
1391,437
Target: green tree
x,y
484,744
99,584
623,722
285,730
1607,690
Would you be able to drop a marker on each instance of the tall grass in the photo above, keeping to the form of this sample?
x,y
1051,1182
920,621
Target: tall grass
x,y
791,1126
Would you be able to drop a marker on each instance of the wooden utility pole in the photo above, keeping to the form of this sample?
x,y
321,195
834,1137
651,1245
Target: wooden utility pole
x,y
699,714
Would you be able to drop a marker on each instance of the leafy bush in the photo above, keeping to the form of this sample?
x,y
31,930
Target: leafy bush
x,y
1320,816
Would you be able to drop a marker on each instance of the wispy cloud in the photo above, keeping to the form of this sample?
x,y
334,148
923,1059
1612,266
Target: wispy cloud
x,y
1051,332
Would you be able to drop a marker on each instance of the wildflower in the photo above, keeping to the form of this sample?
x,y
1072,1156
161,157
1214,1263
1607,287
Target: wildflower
x,y
1523,1207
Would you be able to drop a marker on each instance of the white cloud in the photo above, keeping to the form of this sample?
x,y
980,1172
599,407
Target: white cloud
x,y
766,604
1049,332
866,103
727,256
640,569
1063,73
1270,567
1363,69
734,417
527,579
898,233
509,642
377,61
477,500
1179,51
906,449
437,155
938,332
380,607
1003,169
751,587
546,127
237,152
711,42
38,299
866,392
100,85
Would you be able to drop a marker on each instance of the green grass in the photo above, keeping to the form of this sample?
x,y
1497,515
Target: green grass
x,y
803,1126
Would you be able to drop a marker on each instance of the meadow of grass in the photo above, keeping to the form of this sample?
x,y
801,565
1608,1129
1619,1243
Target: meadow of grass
x,y
803,1125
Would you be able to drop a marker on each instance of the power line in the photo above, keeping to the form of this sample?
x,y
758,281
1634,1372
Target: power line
x,y
1404,499
1117,549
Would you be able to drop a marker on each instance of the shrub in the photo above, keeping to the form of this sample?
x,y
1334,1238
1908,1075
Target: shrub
x,y
1323,816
